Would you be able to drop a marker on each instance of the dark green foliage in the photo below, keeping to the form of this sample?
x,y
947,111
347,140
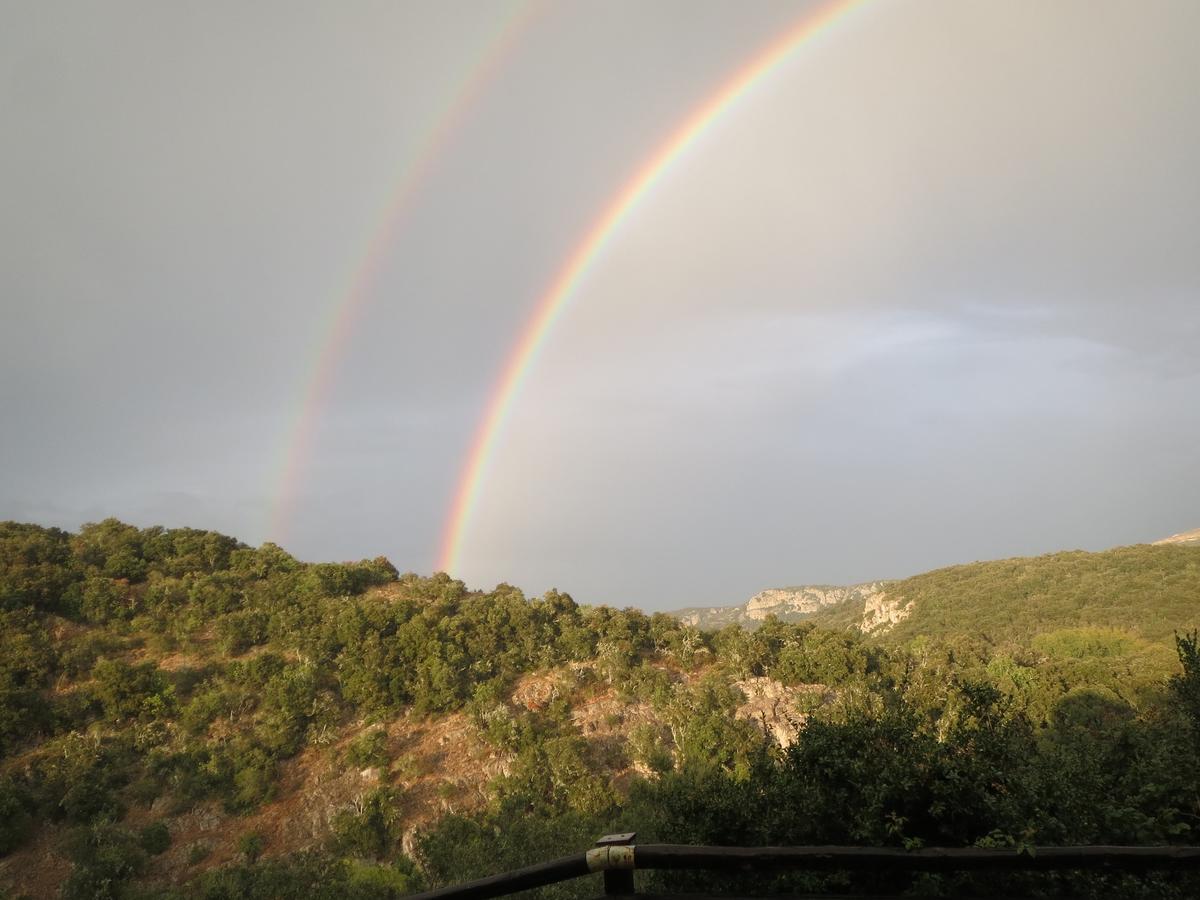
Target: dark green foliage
x,y
130,692
307,876
650,745
104,599
1185,686
155,838
249,775
104,857
79,653
78,777
251,845
16,815
238,631
368,749
1051,724
26,662
885,775
462,848
706,734
36,567
371,827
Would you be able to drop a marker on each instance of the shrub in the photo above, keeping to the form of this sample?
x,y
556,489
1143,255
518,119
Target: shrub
x,y
251,845
370,828
198,852
155,838
368,749
105,857
16,824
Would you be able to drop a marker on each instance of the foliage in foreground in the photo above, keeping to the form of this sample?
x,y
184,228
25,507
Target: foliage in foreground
x,y
1064,734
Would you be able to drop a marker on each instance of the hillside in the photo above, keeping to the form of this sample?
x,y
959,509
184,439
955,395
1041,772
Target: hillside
x,y
1149,591
225,703
183,715
1184,537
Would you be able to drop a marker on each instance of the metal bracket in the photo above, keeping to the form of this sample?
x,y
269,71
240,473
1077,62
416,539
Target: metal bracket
x,y
601,859
614,856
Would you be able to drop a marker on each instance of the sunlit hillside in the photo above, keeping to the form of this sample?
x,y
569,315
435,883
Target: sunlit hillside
x,y
183,715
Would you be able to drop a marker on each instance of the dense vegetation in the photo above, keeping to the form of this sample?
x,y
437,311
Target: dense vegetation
x,y
1149,590
151,679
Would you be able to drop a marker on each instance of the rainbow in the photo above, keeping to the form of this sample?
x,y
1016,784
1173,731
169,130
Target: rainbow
x,y
345,315
551,305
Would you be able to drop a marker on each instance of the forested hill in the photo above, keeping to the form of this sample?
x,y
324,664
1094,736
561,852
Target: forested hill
x,y
183,715
1149,592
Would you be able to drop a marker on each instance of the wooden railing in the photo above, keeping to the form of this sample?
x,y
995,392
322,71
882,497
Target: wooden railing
x,y
618,857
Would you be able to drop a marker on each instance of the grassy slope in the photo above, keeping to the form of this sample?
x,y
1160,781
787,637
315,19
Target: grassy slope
x,y
1151,591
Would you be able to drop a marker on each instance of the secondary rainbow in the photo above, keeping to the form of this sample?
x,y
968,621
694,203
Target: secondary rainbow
x,y
344,316
571,274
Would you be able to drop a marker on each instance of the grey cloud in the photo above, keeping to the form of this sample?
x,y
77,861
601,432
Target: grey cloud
x,y
939,271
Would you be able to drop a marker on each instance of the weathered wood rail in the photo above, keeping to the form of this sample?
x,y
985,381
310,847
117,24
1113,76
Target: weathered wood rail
x,y
617,857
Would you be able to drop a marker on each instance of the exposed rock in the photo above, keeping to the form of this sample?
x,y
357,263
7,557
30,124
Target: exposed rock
x,y
408,843
805,600
772,707
881,613
792,604
535,692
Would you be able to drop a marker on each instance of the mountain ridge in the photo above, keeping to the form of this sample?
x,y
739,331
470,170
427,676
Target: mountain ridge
x,y
878,607
1184,537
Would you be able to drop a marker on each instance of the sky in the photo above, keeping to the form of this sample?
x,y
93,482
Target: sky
x,y
929,292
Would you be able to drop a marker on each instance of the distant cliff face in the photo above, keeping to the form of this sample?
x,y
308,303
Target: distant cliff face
x,y
867,604
882,612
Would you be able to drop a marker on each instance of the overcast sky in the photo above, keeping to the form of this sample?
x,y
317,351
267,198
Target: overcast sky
x,y
929,294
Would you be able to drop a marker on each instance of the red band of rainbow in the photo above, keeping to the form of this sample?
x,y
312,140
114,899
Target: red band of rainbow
x,y
344,317
555,300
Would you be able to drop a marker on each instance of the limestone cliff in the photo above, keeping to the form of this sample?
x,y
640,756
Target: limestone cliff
x,y
795,604
882,611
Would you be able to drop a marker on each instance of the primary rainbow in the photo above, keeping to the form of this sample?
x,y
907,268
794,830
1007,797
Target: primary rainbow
x,y
552,303
344,315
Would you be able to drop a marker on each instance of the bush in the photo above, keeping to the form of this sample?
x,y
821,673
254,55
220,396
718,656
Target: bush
x,y
251,845
104,599
651,747
16,823
368,749
198,852
155,838
128,692
105,857
238,631
369,829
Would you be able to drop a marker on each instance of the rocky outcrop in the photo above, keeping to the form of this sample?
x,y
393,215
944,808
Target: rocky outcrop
x,y
805,600
771,707
792,604
882,611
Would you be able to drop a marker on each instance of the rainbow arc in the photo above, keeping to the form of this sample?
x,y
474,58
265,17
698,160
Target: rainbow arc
x,y
345,315
556,299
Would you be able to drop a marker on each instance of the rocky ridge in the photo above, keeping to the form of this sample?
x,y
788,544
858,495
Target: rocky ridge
x,y
795,604
882,612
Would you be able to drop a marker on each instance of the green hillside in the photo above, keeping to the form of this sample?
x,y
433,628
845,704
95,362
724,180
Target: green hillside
x,y
182,715
1149,591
